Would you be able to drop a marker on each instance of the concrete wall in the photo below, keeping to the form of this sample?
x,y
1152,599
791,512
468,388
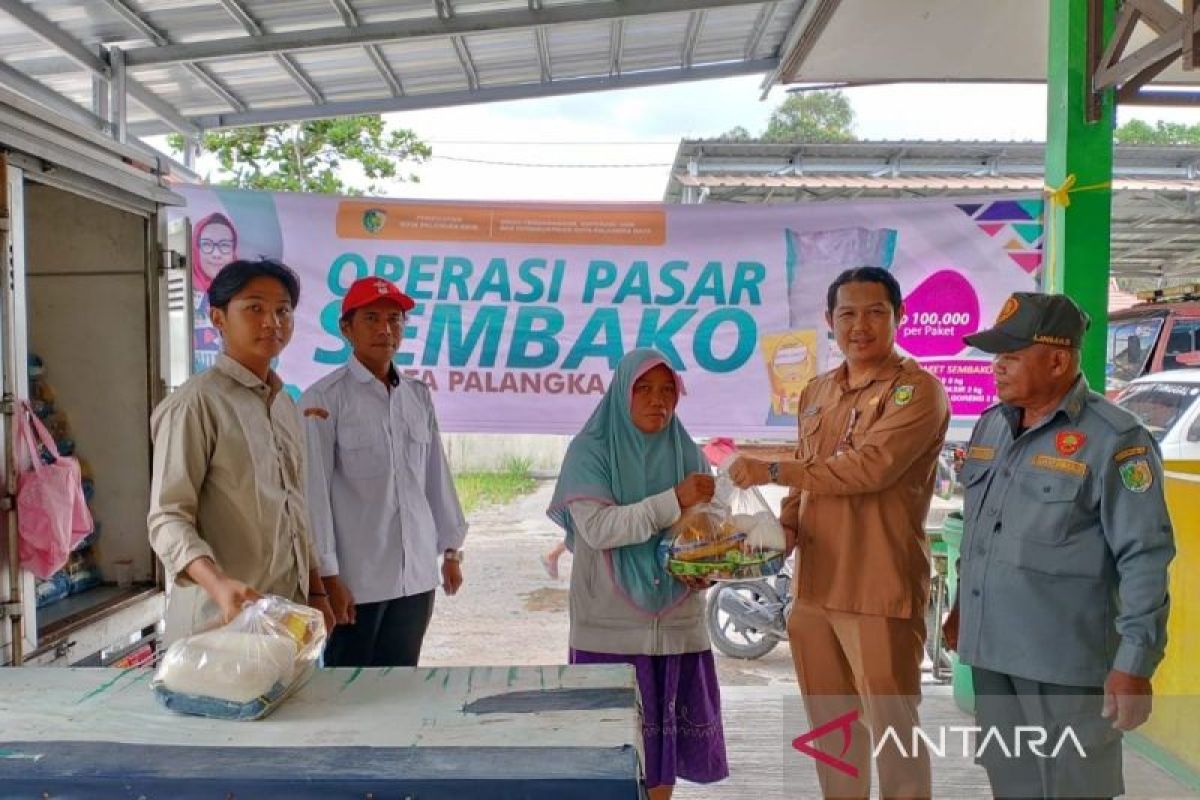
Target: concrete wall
x,y
1173,727
469,452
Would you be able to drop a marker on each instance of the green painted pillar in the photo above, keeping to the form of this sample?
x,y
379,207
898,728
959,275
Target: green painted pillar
x,y
1077,236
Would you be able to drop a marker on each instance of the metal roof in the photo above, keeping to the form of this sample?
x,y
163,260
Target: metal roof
x,y
189,65
893,41
1156,197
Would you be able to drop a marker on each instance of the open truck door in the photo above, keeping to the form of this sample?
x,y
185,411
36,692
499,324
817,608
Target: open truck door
x,y
86,336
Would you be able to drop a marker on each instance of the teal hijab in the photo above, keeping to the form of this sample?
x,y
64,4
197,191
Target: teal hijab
x,y
612,462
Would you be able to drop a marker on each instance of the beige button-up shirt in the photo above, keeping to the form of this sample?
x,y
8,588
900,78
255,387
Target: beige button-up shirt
x,y
228,484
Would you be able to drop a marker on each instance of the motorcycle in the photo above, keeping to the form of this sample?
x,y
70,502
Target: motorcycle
x,y
747,619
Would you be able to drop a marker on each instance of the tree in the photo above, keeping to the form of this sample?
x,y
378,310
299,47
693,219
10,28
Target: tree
x,y
1137,131
314,156
737,134
816,116
812,117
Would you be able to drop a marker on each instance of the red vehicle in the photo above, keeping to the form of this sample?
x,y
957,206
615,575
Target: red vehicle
x,y
1160,334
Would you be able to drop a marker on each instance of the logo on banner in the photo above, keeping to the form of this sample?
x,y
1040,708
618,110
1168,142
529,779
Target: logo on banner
x,y
373,220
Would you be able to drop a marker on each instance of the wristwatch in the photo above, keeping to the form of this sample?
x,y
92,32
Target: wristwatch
x,y
773,471
453,555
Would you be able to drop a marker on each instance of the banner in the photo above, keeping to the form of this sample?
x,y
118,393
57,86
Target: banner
x,y
523,310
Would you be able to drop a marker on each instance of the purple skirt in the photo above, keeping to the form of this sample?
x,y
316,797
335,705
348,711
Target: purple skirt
x,y
681,715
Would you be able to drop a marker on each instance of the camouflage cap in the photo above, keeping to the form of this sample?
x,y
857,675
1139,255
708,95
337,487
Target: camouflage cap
x,y
1029,318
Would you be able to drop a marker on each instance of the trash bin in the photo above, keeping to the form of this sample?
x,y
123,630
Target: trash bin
x,y
960,680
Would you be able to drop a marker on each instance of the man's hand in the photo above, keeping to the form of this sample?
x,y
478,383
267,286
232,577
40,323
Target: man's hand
x,y
452,577
790,537
340,600
950,629
229,594
747,472
695,489
320,602
1128,700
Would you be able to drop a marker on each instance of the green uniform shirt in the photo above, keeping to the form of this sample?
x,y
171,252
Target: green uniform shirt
x,y
1066,544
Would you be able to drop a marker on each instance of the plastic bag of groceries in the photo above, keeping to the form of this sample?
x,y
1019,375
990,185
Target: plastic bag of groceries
x,y
733,537
245,669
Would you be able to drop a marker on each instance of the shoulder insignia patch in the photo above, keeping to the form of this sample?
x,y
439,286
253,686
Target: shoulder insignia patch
x,y
982,453
903,395
1137,475
1068,443
1130,452
316,412
1076,468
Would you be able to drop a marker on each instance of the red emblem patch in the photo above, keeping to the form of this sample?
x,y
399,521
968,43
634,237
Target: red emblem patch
x,y
1068,443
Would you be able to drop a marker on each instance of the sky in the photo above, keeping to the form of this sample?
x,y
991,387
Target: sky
x,y
619,145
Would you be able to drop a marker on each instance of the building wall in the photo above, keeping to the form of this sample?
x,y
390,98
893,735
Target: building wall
x,y
470,452
1175,723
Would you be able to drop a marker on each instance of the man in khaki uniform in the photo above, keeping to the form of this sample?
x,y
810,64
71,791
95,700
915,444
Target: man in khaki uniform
x,y
1066,543
870,434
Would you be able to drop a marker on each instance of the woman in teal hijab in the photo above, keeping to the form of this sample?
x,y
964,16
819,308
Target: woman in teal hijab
x,y
626,478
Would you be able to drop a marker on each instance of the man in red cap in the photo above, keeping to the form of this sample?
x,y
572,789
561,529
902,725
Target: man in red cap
x,y
381,498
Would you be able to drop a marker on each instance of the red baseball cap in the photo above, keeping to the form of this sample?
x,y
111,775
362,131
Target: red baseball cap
x,y
365,291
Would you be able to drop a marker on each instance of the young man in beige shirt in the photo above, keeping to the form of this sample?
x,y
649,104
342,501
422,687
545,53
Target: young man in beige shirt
x,y
227,513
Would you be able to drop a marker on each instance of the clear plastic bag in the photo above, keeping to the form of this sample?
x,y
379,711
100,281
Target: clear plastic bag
x,y
733,537
245,669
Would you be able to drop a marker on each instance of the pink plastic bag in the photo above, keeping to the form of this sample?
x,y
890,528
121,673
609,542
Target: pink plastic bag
x,y
52,514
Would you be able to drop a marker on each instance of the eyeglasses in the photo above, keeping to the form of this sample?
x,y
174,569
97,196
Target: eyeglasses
x,y
222,246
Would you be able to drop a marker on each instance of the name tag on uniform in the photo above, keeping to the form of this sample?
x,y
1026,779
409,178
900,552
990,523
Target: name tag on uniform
x,y
982,453
1076,468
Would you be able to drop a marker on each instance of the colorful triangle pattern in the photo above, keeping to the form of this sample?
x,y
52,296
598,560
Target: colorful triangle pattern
x,y
1015,225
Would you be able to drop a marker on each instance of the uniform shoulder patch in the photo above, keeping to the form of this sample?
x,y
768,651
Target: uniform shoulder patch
x,y
316,412
1136,475
903,395
1130,452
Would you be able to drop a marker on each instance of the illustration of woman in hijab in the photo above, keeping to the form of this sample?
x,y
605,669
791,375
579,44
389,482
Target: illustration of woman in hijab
x,y
214,244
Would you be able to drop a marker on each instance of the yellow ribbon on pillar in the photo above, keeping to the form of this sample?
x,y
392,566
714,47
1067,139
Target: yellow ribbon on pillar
x,y
1060,197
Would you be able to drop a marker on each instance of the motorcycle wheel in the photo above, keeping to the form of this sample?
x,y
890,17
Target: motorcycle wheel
x,y
748,643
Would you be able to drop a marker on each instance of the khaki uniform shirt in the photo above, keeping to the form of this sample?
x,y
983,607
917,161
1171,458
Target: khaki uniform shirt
x,y
228,484
1066,542
870,453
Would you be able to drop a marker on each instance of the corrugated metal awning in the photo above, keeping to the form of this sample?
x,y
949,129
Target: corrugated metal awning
x,y
930,183
1156,197
190,65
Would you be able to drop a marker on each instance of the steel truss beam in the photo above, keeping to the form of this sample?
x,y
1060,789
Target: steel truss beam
x,y
486,95
75,50
383,32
